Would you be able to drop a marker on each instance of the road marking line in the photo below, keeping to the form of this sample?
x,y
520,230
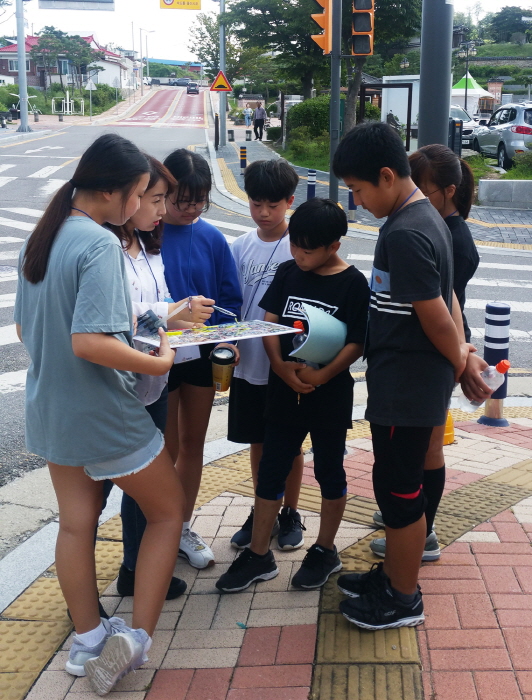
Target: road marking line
x,y
171,109
515,336
8,276
489,225
7,300
25,141
521,306
10,239
13,223
484,265
226,224
9,254
8,335
6,180
37,213
51,187
47,171
13,381
5,167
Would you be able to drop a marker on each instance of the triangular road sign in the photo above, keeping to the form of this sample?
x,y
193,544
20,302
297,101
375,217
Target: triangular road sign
x,y
221,84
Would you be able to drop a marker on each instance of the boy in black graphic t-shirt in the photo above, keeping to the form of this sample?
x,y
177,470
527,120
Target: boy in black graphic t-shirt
x,y
416,350
302,399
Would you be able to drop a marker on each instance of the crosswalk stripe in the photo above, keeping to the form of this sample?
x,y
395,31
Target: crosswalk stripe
x,y
8,276
7,300
13,381
46,171
5,167
230,239
226,224
8,335
480,282
486,266
13,223
25,212
9,255
51,187
6,180
10,239
515,336
522,306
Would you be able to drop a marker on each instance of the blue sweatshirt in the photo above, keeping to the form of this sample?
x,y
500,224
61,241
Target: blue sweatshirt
x,y
198,260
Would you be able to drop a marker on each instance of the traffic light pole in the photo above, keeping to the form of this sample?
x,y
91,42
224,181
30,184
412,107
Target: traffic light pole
x,y
334,113
435,77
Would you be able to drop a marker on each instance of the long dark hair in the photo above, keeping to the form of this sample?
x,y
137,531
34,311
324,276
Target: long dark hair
x,y
110,164
192,173
440,165
152,239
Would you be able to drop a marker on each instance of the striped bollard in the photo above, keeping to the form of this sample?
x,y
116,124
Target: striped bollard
x,y
352,209
311,184
496,348
243,159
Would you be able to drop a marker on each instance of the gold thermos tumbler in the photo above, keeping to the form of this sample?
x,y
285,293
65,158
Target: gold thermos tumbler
x,y
222,368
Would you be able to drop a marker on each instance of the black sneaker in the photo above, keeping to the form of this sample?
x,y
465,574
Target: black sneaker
x,y
381,610
126,584
355,585
245,569
290,529
316,567
242,538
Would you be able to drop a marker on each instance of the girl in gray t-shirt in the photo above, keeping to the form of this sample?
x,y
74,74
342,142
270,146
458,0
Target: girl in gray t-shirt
x,y
73,314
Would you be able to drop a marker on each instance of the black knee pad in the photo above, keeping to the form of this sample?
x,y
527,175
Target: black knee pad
x,y
400,510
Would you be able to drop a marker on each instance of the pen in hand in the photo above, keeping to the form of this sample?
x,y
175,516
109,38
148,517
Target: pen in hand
x,y
224,311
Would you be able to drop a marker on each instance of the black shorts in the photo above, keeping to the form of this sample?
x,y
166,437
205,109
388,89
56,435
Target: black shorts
x,y
399,454
247,403
282,444
196,372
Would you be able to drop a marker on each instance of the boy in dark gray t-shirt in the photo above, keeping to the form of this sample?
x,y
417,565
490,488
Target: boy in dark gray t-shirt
x,y
415,349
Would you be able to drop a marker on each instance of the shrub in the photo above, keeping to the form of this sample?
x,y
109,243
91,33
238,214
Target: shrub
x,y
522,168
312,114
372,113
274,133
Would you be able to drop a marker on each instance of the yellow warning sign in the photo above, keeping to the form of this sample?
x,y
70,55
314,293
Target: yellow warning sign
x,y
180,4
221,84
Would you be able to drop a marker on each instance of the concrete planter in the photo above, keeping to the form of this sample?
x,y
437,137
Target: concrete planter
x,y
505,194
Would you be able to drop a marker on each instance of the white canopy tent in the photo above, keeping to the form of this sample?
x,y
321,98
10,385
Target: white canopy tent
x,y
474,93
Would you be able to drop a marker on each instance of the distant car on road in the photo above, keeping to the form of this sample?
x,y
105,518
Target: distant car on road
x,y
506,134
192,89
180,81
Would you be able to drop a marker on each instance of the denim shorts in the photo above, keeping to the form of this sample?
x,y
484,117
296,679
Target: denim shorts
x,y
130,464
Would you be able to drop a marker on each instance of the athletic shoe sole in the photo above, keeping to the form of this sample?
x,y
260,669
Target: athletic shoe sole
x,y
184,555
405,622
105,670
288,547
432,555
348,593
318,585
260,577
76,670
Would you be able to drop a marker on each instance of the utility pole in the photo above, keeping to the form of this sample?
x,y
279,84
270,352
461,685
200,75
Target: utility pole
x,y
334,113
222,96
22,79
141,69
435,78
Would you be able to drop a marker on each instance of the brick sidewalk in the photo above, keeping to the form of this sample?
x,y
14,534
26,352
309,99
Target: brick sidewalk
x,y
272,641
502,226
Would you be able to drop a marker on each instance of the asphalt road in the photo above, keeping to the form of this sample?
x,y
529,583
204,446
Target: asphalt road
x,y
31,170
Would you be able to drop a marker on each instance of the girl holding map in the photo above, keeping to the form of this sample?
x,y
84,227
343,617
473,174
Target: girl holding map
x,y
197,260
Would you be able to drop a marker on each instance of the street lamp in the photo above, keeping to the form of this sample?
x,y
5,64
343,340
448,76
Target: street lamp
x,y
148,31
404,63
466,50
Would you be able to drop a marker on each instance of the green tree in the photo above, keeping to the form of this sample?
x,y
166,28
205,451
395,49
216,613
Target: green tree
x,y
507,22
52,44
81,55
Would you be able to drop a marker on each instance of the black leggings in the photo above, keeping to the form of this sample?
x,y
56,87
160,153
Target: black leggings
x,y
283,443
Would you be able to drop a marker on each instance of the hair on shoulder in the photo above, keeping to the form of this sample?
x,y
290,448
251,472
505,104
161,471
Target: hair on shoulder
x,y
192,174
270,180
368,148
317,222
439,164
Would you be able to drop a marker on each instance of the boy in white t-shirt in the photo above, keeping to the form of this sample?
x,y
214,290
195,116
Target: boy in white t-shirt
x,y
270,186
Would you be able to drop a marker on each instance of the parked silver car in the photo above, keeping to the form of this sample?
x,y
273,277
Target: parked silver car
x,y
506,134
469,127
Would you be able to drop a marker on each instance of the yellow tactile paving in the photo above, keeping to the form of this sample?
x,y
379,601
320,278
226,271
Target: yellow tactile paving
x,y
237,462
359,557
482,499
367,682
450,526
230,181
112,529
520,475
342,642
27,646
14,686
43,600
360,510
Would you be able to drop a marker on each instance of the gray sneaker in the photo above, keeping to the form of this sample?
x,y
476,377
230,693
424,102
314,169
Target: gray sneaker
x,y
80,654
377,519
431,552
124,652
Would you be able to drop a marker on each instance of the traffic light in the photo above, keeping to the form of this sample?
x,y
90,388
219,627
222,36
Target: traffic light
x,y
362,29
324,19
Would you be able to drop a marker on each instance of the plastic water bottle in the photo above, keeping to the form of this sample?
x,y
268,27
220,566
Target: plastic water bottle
x,y
494,377
298,341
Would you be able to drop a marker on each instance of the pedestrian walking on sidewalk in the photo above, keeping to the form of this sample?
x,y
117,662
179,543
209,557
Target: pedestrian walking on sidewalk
x,y
248,114
259,117
83,415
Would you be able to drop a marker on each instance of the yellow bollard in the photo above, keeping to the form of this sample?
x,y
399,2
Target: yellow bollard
x,y
448,437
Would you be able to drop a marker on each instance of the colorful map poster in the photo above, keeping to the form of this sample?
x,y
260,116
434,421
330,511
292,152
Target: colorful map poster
x,y
218,334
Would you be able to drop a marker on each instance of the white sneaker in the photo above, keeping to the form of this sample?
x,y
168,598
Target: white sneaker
x,y
195,550
124,652
80,653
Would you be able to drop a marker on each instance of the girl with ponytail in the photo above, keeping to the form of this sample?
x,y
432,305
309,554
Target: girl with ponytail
x,y
83,415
